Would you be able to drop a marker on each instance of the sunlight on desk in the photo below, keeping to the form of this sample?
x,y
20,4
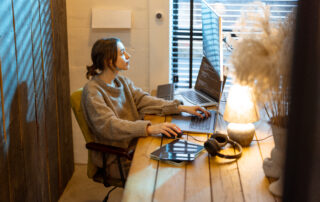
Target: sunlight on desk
x,y
206,178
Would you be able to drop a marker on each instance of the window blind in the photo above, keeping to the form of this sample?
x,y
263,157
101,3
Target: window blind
x,y
181,28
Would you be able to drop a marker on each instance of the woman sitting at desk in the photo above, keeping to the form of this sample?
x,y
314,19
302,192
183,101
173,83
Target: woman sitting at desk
x,y
113,107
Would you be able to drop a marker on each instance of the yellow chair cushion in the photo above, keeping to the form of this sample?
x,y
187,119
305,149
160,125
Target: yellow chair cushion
x,y
75,99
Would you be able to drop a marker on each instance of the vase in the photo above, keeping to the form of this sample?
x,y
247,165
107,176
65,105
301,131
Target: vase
x,y
273,166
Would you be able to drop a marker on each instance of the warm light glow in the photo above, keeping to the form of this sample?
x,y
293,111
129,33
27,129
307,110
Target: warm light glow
x,y
240,127
241,107
241,132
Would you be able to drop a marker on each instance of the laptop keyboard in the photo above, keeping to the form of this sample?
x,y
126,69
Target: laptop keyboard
x,y
201,124
194,97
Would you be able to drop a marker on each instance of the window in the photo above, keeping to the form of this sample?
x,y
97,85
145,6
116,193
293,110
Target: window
x,y
186,32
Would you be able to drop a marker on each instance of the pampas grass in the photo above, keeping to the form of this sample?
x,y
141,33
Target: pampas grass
x,y
262,60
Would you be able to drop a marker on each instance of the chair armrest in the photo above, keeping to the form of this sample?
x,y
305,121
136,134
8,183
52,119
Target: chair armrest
x,y
110,149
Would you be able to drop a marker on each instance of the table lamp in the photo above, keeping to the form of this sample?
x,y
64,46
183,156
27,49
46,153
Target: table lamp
x,y
241,112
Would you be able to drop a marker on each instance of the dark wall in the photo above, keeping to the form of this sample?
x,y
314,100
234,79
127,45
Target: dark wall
x,y
302,170
36,151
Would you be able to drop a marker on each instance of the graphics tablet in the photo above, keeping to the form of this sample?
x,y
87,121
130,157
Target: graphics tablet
x,y
177,151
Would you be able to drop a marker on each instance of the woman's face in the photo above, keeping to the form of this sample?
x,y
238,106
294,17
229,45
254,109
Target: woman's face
x,y
123,58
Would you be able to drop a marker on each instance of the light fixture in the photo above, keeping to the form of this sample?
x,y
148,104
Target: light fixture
x,y
241,112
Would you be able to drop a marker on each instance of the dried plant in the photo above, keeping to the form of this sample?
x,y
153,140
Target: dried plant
x,y
262,60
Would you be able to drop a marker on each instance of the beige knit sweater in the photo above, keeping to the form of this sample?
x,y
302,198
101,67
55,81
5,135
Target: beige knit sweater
x,y
114,113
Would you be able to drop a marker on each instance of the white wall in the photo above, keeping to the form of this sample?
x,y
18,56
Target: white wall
x,y
158,43
147,42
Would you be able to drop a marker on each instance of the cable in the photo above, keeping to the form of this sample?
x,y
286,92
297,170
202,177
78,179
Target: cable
x,y
195,138
107,197
205,141
263,138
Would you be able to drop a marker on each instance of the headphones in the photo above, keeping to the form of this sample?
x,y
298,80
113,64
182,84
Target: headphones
x,y
218,140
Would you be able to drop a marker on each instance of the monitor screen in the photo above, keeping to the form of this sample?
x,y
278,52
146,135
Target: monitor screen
x,y
212,37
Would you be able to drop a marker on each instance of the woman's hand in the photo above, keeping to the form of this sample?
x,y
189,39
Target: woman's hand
x,y
166,128
194,110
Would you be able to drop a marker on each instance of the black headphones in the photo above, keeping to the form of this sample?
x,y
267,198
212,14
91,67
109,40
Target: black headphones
x,y
218,140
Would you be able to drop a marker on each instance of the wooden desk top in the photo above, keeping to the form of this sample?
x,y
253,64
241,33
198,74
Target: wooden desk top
x,y
205,179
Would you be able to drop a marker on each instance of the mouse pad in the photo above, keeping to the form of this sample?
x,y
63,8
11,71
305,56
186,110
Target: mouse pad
x,y
177,150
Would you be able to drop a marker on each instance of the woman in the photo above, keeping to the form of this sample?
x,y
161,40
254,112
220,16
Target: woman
x,y
114,107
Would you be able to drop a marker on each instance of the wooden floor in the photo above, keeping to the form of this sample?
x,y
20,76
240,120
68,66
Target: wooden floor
x,y
207,178
83,189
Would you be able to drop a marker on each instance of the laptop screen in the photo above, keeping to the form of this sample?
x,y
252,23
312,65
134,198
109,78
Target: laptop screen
x,y
212,37
208,80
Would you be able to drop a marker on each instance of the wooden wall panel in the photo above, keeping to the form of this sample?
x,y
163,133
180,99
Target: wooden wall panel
x,y
4,180
26,91
37,38
35,163
62,85
14,150
52,131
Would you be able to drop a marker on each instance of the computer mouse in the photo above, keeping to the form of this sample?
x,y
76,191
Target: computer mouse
x,y
172,136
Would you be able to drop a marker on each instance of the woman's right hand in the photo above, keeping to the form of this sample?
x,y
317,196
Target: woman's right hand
x,y
164,128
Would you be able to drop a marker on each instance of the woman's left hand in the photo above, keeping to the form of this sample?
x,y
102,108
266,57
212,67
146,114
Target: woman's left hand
x,y
195,110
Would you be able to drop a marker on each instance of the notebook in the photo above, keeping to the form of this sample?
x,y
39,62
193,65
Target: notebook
x,y
191,123
177,151
208,86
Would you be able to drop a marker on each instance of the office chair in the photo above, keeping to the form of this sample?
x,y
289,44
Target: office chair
x,y
94,172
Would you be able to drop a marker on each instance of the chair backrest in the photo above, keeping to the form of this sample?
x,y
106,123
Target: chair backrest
x,y
75,99
77,110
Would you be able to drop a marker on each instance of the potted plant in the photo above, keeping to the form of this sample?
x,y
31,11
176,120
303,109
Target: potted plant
x,y
262,60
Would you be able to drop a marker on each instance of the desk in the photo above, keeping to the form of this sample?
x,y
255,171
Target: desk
x,y
205,179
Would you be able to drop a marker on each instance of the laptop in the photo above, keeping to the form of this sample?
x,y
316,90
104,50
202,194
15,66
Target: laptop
x,y
194,124
208,86
165,91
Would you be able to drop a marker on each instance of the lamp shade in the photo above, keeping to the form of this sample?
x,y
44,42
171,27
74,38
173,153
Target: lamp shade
x,y
241,107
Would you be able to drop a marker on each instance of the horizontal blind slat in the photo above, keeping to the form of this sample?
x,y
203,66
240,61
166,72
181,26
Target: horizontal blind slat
x,y
180,33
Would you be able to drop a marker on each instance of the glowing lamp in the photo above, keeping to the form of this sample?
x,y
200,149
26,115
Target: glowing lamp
x,y
241,112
